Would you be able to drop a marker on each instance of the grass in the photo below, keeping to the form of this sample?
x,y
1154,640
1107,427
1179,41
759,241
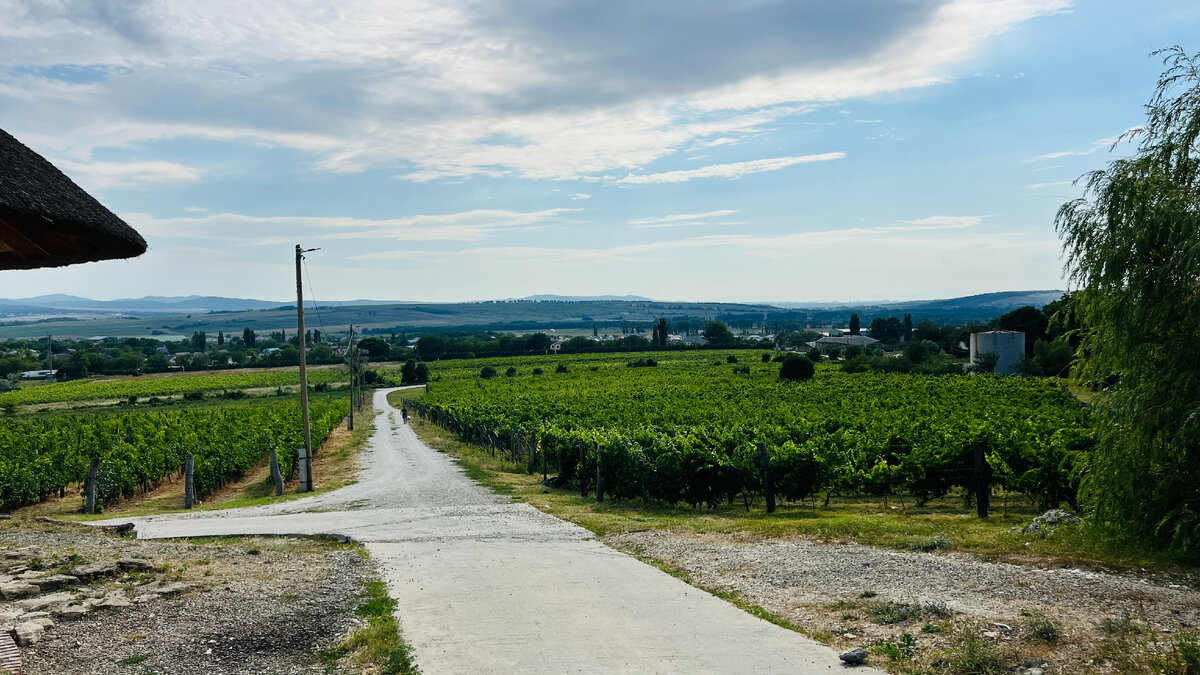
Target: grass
x,y
944,524
378,646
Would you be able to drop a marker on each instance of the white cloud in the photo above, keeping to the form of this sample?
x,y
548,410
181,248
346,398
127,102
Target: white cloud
x,y
426,88
266,230
1039,186
947,221
100,175
577,196
732,171
678,217
1099,144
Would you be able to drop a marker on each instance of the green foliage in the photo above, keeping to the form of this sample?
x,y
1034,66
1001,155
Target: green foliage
x,y
894,612
973,655
686,431
855,325
43,455
89,390
511,372
717,334
1041,627
904,648
1133,248
487,372
797,367
642,363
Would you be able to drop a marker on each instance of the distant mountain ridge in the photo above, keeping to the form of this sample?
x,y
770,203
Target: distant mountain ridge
x,y
549,297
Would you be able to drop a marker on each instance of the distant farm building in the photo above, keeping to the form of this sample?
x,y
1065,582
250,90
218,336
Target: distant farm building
x,y
38,374
1007,345
842,341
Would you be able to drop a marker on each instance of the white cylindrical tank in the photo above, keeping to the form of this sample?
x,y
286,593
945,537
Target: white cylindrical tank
x,y
1008,345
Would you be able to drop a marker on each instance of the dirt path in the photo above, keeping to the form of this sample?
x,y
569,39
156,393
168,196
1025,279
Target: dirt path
x,y
486,585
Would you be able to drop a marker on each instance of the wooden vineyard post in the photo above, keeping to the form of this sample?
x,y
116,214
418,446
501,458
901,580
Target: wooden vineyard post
x,y
582,479
537,445
599,478
276,474
189,489
983,481
90,486
305,475
764,462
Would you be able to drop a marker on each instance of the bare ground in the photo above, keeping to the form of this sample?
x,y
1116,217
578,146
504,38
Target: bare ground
x,y
254,605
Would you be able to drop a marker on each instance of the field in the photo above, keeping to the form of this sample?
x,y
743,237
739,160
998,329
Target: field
x,y
687,429
144,387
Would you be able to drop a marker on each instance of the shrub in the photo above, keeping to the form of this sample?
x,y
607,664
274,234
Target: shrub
x,y
813,354
642,363
975,656
487,372
731,359
894,612
195,395
796,367
538,371
766,358
1041,627
511,372
560,368
778,358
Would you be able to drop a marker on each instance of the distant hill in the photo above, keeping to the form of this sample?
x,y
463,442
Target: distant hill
x,y
181,316
587,298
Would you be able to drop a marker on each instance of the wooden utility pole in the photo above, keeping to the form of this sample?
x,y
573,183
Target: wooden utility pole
x,y
306,479
350,358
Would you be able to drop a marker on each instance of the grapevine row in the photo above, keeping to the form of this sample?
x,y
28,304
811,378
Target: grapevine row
x,y
41,456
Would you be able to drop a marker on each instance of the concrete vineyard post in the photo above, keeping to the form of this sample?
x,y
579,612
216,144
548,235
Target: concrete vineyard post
x,y
276,474
599,478
305,471
189,486
90,486
764,461
531,448
582,478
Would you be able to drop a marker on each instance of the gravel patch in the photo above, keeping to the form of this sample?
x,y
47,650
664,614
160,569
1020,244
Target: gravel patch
x,y
803,581
254,605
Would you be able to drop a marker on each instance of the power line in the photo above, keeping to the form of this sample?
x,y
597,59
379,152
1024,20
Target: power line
x,y
316,303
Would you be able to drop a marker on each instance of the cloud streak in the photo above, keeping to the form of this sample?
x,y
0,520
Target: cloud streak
x,y
730,171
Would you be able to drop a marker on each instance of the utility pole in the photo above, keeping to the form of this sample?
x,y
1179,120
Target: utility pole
x,y
306,480
350,357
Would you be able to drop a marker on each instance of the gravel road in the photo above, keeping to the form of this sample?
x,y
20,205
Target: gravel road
x,y
486,585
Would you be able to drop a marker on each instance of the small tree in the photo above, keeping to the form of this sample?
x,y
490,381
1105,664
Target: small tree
x,y
487,372
796,367
717,334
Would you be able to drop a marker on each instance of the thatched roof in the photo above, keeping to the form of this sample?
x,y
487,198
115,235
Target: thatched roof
x,y
46,220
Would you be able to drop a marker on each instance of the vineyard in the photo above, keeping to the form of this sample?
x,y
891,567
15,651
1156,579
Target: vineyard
x,y
90,390
44,455
687,429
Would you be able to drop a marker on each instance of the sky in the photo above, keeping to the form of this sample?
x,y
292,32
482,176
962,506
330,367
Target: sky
x,y
454,150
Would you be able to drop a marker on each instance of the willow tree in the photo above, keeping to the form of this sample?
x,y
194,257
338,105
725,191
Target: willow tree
x,y
1133,245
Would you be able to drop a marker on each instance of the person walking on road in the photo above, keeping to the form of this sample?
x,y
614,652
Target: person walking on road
x,y
404,415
